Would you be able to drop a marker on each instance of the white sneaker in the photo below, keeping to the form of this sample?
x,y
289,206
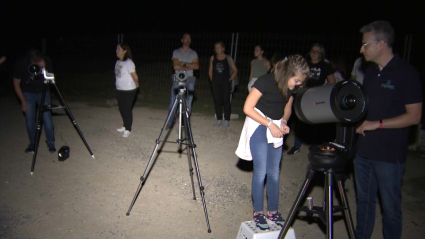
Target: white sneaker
x,y
121,129
225,124
217,124
126,134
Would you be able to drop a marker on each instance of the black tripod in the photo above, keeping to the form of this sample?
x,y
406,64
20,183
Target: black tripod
x,y
49,79
330,159
179,102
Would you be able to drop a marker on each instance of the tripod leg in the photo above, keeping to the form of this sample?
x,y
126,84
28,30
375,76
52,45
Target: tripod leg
x,y
71,117
291,215
192,147
329,205
39,126
151,159
347,211
189,149
180,141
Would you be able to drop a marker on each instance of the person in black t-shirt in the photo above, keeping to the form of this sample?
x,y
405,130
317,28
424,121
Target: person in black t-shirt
x,y
268,108
29,89
221,82
394,103
321,73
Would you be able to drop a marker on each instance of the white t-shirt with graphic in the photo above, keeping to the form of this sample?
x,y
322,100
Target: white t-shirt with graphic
x,y
123,79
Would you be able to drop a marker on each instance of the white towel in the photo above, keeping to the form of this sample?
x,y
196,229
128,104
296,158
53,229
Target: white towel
x,y
244,151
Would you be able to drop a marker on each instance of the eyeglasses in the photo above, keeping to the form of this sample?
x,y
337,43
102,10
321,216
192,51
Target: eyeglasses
x,y
368,43
315,52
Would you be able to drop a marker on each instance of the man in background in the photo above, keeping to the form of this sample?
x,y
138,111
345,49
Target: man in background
x,y
28,88
184,58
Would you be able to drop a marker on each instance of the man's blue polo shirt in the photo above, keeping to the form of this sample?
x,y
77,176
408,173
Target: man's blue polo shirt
x,y
389,90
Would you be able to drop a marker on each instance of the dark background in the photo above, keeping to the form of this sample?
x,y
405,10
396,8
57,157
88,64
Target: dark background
x,y
23,20
25,24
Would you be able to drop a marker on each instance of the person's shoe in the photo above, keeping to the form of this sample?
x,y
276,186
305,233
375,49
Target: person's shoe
x,y
51,146
126,134
225,124
30,149
122,129
260,221
217,124
276,218
293,150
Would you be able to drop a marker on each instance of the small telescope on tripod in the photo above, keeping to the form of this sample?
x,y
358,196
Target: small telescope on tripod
x,y
343,103
37,73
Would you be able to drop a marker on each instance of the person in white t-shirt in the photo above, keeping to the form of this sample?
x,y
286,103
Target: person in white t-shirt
x,y
356,73
126,83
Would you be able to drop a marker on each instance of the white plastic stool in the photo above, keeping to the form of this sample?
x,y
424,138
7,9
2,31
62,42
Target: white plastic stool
x,y
249,230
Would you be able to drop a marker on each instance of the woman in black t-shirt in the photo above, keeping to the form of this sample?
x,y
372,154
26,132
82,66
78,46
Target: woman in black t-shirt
x,y
221,83
268,108
321,73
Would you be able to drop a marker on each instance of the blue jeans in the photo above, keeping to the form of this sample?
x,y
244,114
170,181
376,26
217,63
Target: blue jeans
x,y
34,99
190,88
266,161
373,176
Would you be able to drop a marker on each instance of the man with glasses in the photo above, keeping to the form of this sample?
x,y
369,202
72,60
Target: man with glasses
x,y
395,103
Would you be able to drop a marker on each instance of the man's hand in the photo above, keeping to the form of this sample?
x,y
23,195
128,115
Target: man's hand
x,y
367,126
24,106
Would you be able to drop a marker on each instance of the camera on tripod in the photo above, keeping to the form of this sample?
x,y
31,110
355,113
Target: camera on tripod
x,y
182,77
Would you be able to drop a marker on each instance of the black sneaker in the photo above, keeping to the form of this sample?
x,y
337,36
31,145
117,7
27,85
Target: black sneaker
x,y
51,146
260,221
293,150
276,218
30,149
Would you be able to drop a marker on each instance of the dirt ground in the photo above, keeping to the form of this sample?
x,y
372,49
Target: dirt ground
x,y
84,197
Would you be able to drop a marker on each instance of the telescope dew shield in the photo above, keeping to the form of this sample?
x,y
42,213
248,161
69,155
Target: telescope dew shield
x,y
34,69
344,101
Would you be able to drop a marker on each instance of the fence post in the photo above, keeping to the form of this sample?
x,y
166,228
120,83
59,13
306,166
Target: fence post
x,y
409,48
231,45
236,46
120,38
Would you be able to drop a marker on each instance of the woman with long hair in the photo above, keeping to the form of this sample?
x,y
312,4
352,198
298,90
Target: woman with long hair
x,y
268,108
259,66
126,82
221,81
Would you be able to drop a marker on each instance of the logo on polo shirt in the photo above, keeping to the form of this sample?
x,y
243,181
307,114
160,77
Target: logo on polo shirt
x,y
388,85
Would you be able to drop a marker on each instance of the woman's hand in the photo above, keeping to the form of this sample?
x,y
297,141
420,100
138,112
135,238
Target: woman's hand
x,y
284,128
275,130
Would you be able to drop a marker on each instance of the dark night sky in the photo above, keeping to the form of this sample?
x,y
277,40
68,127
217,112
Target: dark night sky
x,y
22,20
66,17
